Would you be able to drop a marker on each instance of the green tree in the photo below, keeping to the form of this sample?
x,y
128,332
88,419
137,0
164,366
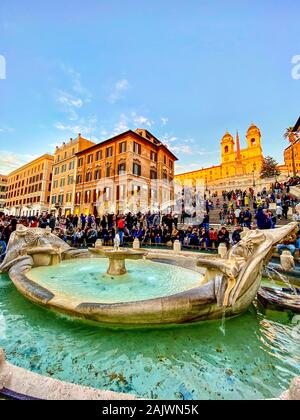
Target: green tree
x,y
289,131
269,168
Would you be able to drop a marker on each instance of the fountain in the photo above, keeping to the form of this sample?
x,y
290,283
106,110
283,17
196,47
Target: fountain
x,y
150,294
258,359
117,257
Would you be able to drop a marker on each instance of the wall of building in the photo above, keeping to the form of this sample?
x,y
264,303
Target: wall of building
x,y
64,175
29,188
3,190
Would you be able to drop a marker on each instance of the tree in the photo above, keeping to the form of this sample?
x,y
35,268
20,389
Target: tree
x,y
269,168
289,134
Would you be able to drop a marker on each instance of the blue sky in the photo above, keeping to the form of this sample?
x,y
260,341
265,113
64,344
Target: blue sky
x,y
186,70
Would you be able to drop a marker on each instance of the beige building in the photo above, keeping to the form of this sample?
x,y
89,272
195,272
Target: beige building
x,y
3,189
133,171
237,163
29,187
64,175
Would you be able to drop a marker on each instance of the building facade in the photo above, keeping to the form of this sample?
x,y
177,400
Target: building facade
x,y
133,172
236,163
3,190
29,188
64,175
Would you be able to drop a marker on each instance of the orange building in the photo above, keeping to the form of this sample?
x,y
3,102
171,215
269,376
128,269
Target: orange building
x,y
3,189
132,171
29,187
64,175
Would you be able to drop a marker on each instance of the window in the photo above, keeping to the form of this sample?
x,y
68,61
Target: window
x,y
137,148
97,174
88,176
63,168
122,147
61,198
171,164
153,174
226,149
99,155
90,159
80,162
62,182
56,170
55,184
106,195
253,142
70,180
109,152
108,171
53,201
69,198
79,179
78,198
71,165
137,169
87,196
122,169
153,156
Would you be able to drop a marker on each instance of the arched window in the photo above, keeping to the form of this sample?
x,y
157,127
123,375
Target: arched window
x,y
253,142
226,149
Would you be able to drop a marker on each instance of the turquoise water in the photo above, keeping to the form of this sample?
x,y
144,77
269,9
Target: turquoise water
x,y
87,280
257,357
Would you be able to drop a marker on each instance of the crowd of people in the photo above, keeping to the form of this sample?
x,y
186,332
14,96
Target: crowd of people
x,y
237,210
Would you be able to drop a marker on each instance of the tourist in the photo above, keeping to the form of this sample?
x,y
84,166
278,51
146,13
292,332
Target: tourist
x,y
223,236
288,244
2,248
236,235
121,227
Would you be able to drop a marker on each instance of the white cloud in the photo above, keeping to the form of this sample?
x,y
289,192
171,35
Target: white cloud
x,y
5,129
181,149
9,161
120,87
164,120
121,126
77,85
69,100
141,121
86,127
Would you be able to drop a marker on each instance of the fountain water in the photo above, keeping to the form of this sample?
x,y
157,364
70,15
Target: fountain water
x,y
117,257
273,274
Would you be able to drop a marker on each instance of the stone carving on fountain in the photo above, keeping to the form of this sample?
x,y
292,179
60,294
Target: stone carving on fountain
x,y
36,247
240,270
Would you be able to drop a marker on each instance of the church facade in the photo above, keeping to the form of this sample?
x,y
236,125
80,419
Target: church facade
x,y
236,162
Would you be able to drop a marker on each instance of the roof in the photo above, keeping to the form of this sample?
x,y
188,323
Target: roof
x,y
133,133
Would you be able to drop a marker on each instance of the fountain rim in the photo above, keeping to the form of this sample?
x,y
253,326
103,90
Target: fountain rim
x,y
178,308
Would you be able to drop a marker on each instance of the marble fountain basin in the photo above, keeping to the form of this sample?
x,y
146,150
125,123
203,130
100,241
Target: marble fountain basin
x,y
149,293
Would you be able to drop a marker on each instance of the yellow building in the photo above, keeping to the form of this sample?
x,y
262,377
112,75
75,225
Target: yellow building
x,y
3,189
29,187
236,162
64,175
